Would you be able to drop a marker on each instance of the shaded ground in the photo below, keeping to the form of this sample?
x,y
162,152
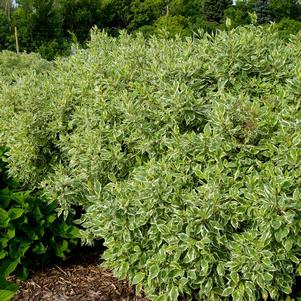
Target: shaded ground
x,y
78,279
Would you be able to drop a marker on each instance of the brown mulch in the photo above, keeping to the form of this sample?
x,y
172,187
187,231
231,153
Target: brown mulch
x,y
77,280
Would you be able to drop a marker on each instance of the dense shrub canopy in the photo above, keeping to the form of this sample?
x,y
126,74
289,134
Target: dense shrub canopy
x,y
185,156
14,66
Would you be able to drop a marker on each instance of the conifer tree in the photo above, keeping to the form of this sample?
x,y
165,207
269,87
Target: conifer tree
x,y
213,10
263,12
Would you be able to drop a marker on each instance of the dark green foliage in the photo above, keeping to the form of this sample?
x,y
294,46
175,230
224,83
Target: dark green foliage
x,y
174,25
287,27
116,15
263,12
213,10
79,16
46,20
4,30
285,9
185,156
30,231
239,14
52,48
45,26
40,28
144,12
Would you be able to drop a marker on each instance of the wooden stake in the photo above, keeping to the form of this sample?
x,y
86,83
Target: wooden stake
x,y
17,40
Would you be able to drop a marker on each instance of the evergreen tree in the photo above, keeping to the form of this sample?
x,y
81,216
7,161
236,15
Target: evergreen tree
x,y
213,10
80,15
285,9
263,12
4,30
6,6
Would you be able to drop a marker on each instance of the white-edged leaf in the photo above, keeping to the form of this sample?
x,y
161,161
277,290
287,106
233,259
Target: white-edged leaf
x,y
153,271
138,278
173,294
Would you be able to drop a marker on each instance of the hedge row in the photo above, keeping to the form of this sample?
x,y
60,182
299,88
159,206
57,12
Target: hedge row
x,y
185,156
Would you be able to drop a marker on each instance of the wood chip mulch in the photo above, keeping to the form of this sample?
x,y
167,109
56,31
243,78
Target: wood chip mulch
x,y
75,282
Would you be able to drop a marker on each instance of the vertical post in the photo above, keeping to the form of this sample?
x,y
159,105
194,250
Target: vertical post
x,y
17,40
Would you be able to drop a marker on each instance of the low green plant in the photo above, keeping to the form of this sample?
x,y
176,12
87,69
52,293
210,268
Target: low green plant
x,y
287,27
54,48
30,232
14,66
184,154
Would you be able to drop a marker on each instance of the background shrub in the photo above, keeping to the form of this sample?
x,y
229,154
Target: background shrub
x,y
30,231
14,66
185,156
287,27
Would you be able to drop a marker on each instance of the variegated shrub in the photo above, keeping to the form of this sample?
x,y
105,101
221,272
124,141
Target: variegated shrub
x,y
185,156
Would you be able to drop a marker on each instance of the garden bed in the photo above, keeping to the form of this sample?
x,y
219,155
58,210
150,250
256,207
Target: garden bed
x,y
78,278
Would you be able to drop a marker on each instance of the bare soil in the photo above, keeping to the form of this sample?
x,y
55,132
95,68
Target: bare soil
x,y
77,279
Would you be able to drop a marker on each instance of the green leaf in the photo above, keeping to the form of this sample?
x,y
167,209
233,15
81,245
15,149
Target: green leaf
x,y
161,298
238,295
138,278
260,280
138,288
6,295
39,248
20,197
37,213
299,270
208,286
50,218
288,244
235,277
153,271
220,269
268,277
286,289
228,291
11,266
190,256
73,232
281,234
122,272
15,213
61,248
250,289
3,242
173,294
4,218
107,255
24,246
207,130
10,233
5,197
3,253
294,259
191,274
7,285
276,223
29,231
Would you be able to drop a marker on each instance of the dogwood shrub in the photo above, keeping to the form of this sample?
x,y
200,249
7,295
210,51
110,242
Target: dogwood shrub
x,y
184,154
14,66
